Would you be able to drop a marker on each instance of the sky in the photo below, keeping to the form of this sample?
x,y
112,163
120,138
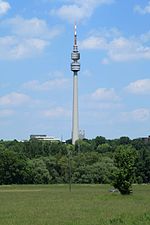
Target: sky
x,y
36,41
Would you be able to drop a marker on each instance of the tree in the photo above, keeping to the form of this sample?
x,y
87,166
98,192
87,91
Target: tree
x,y
82,146
37,172
12,167
124,140
125,156
99,140
143,166
103,148
53,168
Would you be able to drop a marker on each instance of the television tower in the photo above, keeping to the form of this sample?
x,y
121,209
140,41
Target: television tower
x,y
75,67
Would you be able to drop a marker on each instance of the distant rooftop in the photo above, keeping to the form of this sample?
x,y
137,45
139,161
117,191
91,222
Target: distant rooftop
x,y
43,137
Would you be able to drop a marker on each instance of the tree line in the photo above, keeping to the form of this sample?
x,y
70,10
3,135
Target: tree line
x,y
97,161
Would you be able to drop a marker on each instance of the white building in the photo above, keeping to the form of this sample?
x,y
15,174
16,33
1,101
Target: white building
x,y
44,137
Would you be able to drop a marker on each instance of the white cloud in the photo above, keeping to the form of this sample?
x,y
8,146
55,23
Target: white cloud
x,y
139,87
14,48
4,7
101,105
6,113
104,94
105,61
72,12
78,10
138,115
14,99
48,85
123,49
142,10
94,42
56,113
145,38
27,38
31,28
119,48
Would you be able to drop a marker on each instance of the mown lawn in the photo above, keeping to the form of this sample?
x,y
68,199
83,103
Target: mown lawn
x,y
85,205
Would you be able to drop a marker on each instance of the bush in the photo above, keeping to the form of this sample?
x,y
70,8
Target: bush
x,y
125,157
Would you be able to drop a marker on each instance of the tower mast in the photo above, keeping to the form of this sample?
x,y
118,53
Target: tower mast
x,y
75,68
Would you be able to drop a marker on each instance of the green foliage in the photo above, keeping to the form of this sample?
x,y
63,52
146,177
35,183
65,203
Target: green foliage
x,y
103,148
35,148
125,157
37,172
98,141
92,168
12,167
89,161
54,169
124,140
82,146
143,166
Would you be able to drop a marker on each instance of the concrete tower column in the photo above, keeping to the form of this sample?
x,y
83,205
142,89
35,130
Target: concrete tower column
x,y
75,67
75,117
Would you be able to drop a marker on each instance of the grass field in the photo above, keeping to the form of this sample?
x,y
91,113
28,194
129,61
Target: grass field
x,y
85,205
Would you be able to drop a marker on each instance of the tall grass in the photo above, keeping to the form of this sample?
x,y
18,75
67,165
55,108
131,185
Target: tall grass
x,y
85,205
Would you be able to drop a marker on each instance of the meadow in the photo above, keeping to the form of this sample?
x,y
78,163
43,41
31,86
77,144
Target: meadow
x,y
84,205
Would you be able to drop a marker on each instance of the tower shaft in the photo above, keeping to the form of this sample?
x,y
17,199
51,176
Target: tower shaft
x,y
75,118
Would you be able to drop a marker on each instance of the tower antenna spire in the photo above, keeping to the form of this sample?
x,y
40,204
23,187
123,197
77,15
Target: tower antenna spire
x,y
75,34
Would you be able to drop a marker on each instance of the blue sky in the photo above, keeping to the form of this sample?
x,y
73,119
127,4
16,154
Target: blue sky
x,y
36,40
